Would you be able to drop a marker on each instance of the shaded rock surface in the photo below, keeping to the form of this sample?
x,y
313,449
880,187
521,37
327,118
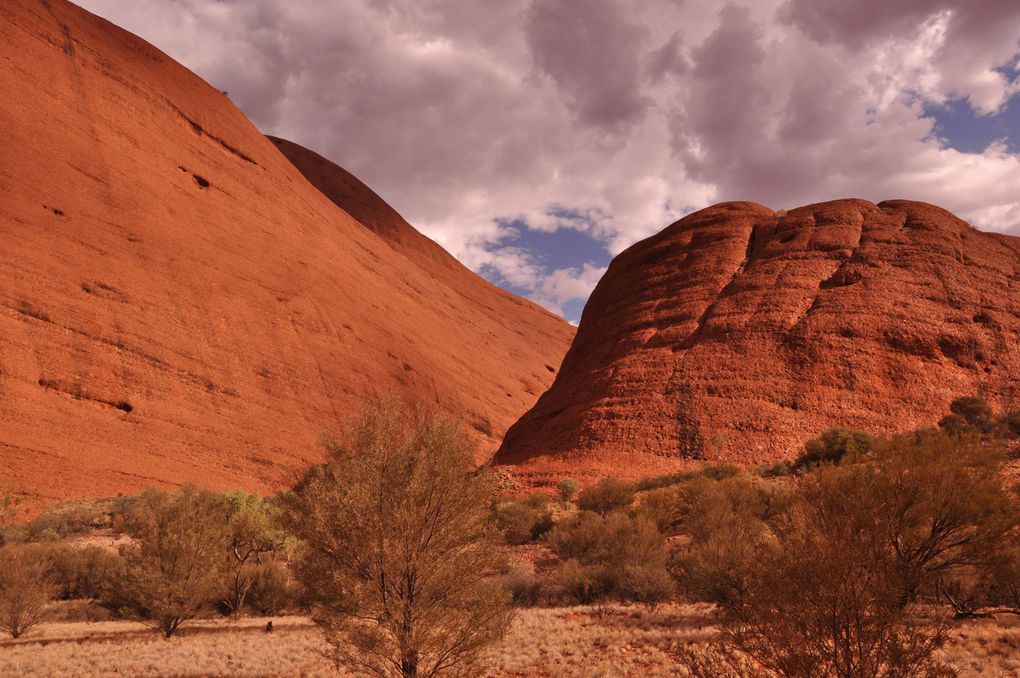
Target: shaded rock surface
x,y
178,303
738,333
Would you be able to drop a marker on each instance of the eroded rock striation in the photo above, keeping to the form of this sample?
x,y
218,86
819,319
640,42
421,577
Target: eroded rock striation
x,y
738,332
178,303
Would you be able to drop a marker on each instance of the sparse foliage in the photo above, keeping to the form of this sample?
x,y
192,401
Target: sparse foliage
x,y
177,562
400,557
567,488
820,582
25,589
253,533
824,598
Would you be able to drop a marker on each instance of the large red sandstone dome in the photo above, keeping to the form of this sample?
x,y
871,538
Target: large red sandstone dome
x,y
738,332
179,303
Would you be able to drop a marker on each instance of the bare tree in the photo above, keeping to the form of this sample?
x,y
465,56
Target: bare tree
x,y
399,549
25,589
178,559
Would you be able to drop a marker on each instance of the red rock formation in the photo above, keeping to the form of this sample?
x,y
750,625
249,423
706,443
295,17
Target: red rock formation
x,y
737,333
178,303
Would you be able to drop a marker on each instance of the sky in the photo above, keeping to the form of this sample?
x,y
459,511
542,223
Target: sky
x,y
536,139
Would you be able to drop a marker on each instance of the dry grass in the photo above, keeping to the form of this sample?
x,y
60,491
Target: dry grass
x,y
543,642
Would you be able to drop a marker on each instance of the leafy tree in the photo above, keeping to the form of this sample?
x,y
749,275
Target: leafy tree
x,y
177,561
400,555
253,532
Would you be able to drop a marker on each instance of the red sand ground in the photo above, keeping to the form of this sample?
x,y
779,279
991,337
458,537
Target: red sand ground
x,y
738,333
159,254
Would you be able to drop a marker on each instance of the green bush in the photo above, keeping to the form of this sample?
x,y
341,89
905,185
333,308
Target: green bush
x,y
778,470
955,425
610,494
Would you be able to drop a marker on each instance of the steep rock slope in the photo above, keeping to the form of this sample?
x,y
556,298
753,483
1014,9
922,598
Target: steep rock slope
x,y
179,304
738,332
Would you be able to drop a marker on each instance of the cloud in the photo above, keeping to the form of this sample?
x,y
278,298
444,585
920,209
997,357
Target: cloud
x,y
592,50
568,284
487,122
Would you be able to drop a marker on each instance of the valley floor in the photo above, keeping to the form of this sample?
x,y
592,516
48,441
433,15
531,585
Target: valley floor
x,y
571,642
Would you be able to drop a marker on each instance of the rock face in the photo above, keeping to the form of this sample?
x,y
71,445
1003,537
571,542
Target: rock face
x,y
178,303
737,333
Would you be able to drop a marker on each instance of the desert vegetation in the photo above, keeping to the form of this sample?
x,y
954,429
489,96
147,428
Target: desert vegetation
x,y
399,553
860,556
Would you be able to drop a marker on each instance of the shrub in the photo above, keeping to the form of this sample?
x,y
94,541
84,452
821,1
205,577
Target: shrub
x,y
727,524
177,561
941,501
646,583
823,584
1012,421
823,596
955,425
600,553
567,488
663,506
271,591
66,520
610,494
583,584
520,522
975,411
778,470
9,505
79,572
833,446
25,589
526,589
720,471
400,551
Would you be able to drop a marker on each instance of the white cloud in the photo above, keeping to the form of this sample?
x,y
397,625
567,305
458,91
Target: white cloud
x,y
469,114
568,284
